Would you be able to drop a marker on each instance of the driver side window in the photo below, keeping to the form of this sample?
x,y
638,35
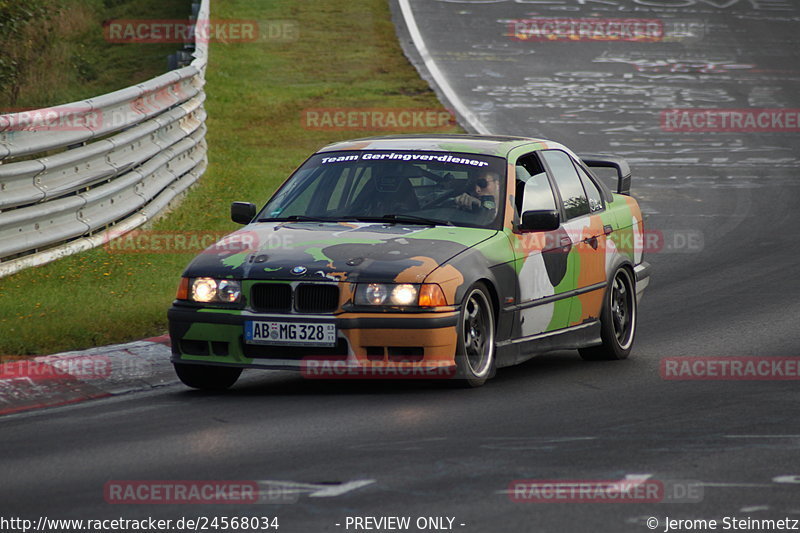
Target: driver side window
x,y
533,192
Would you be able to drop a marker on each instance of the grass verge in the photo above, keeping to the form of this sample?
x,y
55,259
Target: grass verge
x,y
346,55
54,51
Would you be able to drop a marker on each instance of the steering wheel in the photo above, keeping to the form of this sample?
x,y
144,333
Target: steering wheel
x,y
442,200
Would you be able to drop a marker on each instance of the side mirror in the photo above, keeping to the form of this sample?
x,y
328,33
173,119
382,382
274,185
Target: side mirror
x,y
243,212
540,220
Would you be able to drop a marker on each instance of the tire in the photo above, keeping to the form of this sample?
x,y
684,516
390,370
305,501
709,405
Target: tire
x,y
211,378
475,355
617,320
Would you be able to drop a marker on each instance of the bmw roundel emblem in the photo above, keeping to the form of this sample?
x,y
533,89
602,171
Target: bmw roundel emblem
x,y
298,270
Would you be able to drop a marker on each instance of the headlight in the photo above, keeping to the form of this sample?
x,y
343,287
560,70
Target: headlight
x,y
204,289
404,294
375,294
399,295
210,290
229,291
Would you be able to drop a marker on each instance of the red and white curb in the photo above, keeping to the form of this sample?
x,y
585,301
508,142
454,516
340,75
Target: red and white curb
x,y
71,377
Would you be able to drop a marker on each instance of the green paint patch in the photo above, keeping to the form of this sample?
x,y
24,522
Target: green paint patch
x,y
317,254
220,311
235,260
563,310
498,250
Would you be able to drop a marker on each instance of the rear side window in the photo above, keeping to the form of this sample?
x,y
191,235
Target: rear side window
x,y
568,182
592,192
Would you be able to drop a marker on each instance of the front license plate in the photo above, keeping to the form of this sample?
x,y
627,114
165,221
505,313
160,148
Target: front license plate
x,y
283,333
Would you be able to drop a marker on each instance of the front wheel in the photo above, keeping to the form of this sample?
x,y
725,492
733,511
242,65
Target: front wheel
x,y
206,377
618,320
476,348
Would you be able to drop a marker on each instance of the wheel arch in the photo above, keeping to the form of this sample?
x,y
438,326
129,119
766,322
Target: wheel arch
x,y
622,262
493,296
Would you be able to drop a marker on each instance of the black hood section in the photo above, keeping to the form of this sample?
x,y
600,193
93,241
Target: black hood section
x,y
334,251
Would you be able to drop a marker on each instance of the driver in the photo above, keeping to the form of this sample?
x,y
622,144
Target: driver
x,y
483,199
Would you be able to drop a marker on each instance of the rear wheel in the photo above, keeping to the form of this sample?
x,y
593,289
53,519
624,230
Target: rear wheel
x,y
618,320
476,349
206,377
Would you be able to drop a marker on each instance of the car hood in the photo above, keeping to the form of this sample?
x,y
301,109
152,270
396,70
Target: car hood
x,y
341,251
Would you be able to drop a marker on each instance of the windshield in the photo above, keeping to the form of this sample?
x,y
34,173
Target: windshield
x,y
434,188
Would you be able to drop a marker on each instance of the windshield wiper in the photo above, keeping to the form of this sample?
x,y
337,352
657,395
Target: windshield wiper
x,y
409,219
297,218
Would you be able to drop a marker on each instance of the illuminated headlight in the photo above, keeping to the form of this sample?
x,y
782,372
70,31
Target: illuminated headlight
x,y
204,289
400,295
208,290
404,294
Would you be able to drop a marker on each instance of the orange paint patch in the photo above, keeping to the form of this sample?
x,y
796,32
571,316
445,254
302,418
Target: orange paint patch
x,y
439,344
417,273
346,293
633,205
449,279
591,305
511,176
592,268
339,276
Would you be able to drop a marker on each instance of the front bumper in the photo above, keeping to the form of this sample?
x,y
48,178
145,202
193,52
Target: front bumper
x,y
364,340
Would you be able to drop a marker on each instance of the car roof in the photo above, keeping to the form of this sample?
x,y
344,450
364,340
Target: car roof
x,y
497,145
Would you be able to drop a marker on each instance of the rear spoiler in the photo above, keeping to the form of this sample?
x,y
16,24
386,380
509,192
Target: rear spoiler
x,y
615,162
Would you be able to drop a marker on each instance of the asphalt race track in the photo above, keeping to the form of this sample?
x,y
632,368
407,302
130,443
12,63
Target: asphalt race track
x,y
725,283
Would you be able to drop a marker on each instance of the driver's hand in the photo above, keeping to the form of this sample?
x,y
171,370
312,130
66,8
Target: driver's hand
x,y
467,202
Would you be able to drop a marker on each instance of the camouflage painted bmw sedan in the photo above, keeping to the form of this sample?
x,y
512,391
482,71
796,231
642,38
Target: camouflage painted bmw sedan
x,y
418,256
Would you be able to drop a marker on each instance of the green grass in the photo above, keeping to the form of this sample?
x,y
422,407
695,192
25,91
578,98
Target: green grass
x,y
54,51
346,56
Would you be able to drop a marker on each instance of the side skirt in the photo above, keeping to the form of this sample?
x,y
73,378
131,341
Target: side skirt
x,y
512,352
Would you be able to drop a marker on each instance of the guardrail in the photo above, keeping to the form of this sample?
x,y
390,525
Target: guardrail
x,y
75,175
